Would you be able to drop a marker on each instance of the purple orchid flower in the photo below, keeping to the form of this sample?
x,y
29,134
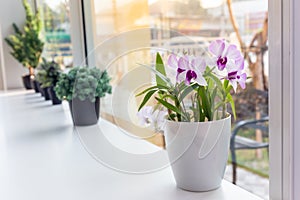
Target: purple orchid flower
x,y
154,118
145,115
237,77
225,56
188,69
172,61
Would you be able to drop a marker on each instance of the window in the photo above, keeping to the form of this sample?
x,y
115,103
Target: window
x,y
55,17
126,33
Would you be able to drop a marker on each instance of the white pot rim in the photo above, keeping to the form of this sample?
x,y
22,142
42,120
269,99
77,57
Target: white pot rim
x,y
206,122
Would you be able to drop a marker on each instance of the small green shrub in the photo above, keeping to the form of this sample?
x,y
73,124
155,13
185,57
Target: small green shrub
x,y
83,83
48,73
26,45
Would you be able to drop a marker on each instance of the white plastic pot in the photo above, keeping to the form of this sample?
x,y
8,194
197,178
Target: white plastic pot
x,y
198,152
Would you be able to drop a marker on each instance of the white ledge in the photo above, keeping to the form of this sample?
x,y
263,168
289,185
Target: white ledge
x,y
43,157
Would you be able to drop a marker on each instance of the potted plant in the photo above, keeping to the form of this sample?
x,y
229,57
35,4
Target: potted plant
x,y
83,87
197,127
26,45
48,75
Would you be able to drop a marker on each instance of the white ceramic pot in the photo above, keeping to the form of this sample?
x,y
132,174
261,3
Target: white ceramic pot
x,y
198,152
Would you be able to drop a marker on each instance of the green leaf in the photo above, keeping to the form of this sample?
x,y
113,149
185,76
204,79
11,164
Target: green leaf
x,y
152,88
228,89
172,116
164,96
218,105
169,106
159,66
212,100
205,103
146,98
226,82
230,99
215,79
186,91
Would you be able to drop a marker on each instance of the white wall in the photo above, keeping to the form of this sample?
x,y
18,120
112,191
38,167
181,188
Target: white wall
x,y
10,11
2,72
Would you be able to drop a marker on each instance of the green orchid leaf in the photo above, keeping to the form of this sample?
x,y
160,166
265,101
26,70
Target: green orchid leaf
x,y
216,80
159,66
230,99
169,106
213,96
205,103
156,87
226,83
186,91
146,98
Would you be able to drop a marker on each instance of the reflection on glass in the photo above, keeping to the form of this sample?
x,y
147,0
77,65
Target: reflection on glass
x,y
56,21
202,20
129,32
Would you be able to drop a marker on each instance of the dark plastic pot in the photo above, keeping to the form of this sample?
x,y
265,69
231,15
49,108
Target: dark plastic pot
x,y
46,94
41,89
53,97
27,82
35,85
84,113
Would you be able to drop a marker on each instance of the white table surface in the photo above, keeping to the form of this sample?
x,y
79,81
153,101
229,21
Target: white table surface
x,y
42,156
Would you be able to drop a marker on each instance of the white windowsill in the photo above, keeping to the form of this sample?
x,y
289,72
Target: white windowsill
x,y
43,157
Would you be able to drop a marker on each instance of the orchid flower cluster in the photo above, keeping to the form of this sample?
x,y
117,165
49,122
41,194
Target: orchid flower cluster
x,y
202,89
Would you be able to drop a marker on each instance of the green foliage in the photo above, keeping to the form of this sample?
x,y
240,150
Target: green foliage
x,y
48,73
83,83
26,45
161,69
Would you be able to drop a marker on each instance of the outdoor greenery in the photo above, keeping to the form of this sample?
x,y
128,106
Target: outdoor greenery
x,y
83,83
48,73
26,44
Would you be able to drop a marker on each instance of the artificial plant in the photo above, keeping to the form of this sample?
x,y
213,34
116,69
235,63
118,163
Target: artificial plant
x,y
26,44
48,73
83,83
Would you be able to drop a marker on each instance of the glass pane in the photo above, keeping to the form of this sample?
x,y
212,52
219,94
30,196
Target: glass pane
x,y
128,33
56,23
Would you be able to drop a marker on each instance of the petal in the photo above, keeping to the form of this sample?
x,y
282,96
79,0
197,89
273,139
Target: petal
x,y
232,75
199,64
211,60
180,77
232,52
234,84
183,63
190,75
144,115
201,80
172,61
242,80
231,66
217,47
240,63
147,111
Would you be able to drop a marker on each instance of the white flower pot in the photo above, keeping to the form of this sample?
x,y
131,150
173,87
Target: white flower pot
x,y
198,152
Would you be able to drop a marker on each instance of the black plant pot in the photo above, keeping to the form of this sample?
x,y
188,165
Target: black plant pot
x,y
52,94
27,82
35,85
46,94
41,89
84,113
